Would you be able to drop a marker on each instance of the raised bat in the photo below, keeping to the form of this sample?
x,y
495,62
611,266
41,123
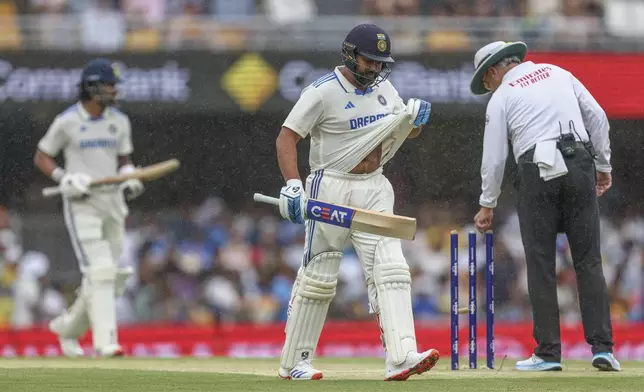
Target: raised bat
x,y
147,173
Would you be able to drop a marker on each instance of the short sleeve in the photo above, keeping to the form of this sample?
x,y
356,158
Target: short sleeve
x,y
399,104
125,141
307,112
55,139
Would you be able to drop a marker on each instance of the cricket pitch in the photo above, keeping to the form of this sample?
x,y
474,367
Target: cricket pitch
x,y
355,374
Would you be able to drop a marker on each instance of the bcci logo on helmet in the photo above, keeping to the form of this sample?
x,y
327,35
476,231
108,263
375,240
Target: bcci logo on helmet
x,y
116,71
382,42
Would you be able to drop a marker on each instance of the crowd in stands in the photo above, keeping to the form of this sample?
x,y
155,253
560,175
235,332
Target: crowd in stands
x,y
209,264
158,10
111,25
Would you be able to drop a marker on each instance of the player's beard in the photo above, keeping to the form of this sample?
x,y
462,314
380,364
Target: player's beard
x,y
367,78
370,77
103,97
106,99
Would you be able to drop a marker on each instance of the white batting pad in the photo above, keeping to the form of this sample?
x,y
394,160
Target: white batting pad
x,y
122,275
74,322
309,305
393,282
102,305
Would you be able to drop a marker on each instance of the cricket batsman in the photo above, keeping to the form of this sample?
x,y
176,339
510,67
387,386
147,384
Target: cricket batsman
x,y
353,116
95,139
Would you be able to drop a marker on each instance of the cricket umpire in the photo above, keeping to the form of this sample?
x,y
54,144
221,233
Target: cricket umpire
x,y
559,137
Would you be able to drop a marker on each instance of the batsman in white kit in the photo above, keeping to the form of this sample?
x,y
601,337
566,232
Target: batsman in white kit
x,y
356,121
95,139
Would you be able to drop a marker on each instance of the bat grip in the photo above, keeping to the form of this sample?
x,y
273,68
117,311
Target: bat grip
x,y
258,197
51,191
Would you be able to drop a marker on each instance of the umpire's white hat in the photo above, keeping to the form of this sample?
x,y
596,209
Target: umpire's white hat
x,y
490,54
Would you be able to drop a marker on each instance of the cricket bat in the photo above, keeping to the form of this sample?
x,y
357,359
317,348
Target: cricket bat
x,y
379,223
463,310
144,174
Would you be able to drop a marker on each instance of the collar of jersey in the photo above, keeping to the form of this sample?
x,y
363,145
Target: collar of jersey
x,y
86,116
347,86
513,70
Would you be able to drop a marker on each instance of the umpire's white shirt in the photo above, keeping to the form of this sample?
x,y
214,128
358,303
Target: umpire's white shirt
x,y
343,121
531,102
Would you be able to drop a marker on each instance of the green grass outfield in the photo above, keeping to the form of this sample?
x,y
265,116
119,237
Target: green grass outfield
x,y
354,375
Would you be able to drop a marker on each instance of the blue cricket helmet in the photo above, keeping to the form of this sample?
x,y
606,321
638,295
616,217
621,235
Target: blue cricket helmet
x,y
100,71
369,41
96,76
372,42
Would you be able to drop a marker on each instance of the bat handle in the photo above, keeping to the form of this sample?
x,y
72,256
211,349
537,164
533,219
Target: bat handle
x,y
51,191
258,197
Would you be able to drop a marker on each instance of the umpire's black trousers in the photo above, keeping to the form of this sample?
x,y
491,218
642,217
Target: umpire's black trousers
x,y
565,204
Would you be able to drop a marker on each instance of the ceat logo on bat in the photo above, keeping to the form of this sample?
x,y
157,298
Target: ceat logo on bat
x,y
329,213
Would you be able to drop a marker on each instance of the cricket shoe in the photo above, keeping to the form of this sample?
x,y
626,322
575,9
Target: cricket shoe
x,y
69,346
415,363
302,371
111,351
536,364
606,362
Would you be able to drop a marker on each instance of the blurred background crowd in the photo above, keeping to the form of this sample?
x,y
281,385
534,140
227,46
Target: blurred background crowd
x,y
162,10
108,25
222,260
208,264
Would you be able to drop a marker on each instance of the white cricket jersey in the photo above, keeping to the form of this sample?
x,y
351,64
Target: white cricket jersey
x,y
342,121
527,108
90,145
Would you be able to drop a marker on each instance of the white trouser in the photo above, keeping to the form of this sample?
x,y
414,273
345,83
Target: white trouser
x,y
385,269
371,191
97,238
86,223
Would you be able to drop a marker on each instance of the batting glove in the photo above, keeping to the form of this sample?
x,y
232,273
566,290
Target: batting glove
x,y
132,188
75,185
293,201
419,111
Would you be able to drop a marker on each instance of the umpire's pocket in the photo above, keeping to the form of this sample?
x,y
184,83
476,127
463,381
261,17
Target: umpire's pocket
x,y
586,165
524,170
